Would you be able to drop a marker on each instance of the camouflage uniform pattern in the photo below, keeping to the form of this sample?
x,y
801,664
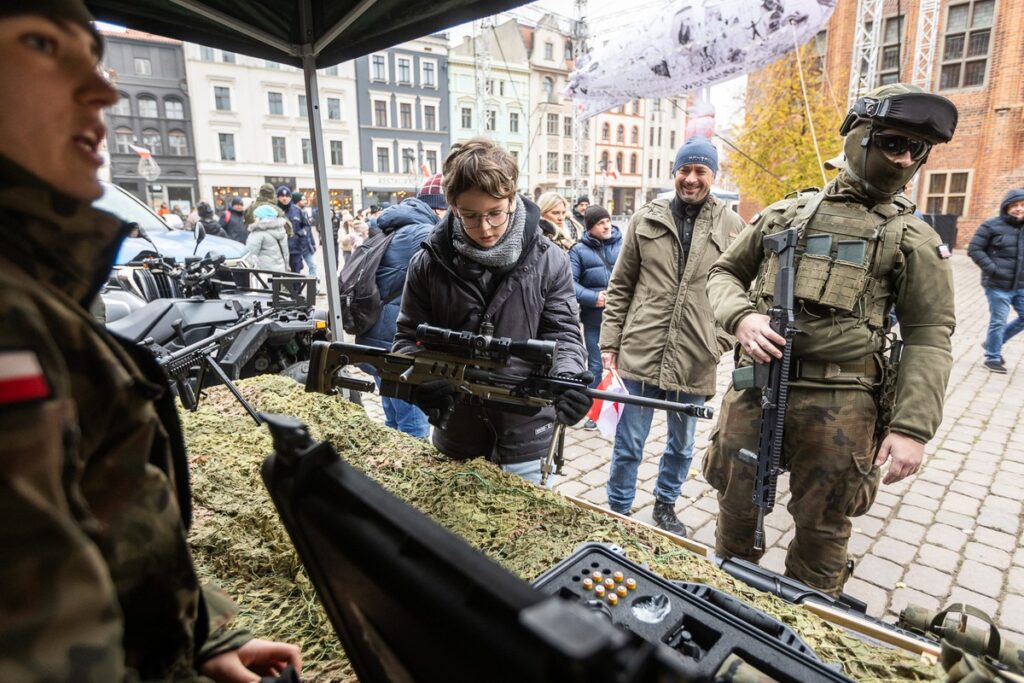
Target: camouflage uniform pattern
x,y
833,425
97,582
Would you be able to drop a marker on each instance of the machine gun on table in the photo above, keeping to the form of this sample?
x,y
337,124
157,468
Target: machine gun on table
x,y
477,366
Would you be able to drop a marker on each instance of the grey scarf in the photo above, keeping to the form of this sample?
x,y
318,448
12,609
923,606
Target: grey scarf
x,y
505,253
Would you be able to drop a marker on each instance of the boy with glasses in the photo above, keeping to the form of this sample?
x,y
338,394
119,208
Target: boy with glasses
x,y
487,268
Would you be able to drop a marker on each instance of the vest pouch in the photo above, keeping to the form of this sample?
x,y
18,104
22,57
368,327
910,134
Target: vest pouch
x,y
845,286
769,275
811,276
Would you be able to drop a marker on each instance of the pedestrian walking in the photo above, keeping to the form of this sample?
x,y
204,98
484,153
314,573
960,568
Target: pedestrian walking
x,y
232,221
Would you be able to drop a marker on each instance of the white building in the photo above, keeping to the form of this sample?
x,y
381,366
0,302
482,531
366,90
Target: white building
x,y
505,117
251,126
666,130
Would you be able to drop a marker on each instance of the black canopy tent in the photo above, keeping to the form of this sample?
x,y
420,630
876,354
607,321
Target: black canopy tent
x,y
309,34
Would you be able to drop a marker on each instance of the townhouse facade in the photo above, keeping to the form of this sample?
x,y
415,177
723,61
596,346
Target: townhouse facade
x,y
619,154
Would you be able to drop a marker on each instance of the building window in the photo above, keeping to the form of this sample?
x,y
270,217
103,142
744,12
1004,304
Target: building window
x,y
501,88
123,106
618,163
227,146
947,192
222,98
586,130
383,160
489,86
491,122
275,104
307,151
331,71
568,50
432,161
672,139
567,126
337,153
378,68
567,164
552,124
548,84
405,115
821,43
271,65
404,70
467,117
279,150
143,67
174,109
549,51
429,75
966,44
205,53
636,107
633,164
333,109
123,138
513,122
515,156
634,136
620,134
891,53
604,161
659,136
408,160
651,143
380,113
227,57
177,143
148,108
302,105
552,165
153,141
606,133
585,163
429,117
650,168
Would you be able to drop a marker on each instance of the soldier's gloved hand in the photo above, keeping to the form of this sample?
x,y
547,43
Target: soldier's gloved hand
x,y
436,398
572,406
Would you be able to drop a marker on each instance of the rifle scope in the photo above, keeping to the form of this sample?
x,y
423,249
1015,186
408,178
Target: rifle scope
x,y
533,351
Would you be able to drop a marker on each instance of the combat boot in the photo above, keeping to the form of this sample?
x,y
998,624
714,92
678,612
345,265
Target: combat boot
x,y
665,518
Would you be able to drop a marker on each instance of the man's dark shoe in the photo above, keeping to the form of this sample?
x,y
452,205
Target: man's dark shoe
x,y
590,425
996,366
665,518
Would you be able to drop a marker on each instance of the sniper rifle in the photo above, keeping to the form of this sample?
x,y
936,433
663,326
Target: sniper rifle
x,y
773,379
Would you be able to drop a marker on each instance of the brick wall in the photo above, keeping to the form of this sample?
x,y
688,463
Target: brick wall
x,y
989,140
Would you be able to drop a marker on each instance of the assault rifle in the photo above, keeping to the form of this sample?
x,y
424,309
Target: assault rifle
x,y
773,379
200,356
475,364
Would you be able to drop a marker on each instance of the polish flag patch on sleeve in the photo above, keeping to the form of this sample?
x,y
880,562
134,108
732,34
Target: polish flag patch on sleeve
x,y
21,378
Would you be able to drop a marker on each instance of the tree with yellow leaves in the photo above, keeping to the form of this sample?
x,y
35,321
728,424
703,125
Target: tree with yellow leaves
x,y
775,131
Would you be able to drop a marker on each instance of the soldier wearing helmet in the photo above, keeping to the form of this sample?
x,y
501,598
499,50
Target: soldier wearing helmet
x,y
861,253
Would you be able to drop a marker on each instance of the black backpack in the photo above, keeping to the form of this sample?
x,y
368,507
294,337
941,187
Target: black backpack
x,y
361,300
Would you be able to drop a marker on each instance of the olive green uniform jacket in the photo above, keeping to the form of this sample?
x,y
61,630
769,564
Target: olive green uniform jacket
x,y
657,319
920,285
97,582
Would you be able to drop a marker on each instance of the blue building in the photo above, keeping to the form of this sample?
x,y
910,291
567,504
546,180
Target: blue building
x,y
404,129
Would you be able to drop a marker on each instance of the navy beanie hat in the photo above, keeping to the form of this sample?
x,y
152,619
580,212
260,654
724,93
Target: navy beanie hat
x,y
594,215
284,189
697,150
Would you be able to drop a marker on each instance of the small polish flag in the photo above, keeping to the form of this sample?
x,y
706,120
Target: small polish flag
x,y
607,413
21,377
425,170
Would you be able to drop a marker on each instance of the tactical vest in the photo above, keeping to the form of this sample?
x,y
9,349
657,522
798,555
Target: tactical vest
x,y
848,272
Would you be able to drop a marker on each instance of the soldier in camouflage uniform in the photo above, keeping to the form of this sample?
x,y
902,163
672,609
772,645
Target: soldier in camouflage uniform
x,y
860,253
97,582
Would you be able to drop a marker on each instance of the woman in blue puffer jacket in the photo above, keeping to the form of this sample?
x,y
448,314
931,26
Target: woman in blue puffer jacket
x,y
592,260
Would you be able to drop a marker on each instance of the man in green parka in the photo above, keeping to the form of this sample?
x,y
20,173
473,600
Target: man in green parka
x,y
861,253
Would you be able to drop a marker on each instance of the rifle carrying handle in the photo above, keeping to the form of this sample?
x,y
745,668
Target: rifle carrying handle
x,y
994,643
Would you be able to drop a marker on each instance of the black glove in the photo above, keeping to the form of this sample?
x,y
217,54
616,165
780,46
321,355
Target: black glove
x,y
436,398
572,406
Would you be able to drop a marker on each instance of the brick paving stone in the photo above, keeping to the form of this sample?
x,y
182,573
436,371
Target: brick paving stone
x,y
946,536
980,578
999,504
588,461
969,489
940,477
937,557
996,539
956,446
914,514
644,498
944,464
705,534
1015,581
902,597
595,478
918,500
1018,557
927,489
1000,521
571,487
708,504
986,554
961,504
886,498
858,545
875,597
1003,488
962,522
965,595
906,531
869,526
774,559
928,580
987,447
646,470
879,511
596,496
693,517
878,571
973,478
894,549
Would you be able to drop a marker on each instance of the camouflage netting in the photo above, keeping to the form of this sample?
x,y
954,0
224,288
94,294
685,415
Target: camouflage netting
x,y
240,544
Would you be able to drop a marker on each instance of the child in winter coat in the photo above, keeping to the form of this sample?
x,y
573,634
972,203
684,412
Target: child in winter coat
x,y
268,239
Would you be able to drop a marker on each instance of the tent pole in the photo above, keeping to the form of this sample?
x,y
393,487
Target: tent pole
x,y
323,195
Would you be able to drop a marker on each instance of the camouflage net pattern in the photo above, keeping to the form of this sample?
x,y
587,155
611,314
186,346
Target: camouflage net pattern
x,y
239,543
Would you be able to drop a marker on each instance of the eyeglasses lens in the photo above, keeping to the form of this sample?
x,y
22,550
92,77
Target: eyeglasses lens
x,y
898,144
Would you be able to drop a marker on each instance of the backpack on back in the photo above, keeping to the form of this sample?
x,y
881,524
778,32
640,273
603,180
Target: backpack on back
x,y
361,300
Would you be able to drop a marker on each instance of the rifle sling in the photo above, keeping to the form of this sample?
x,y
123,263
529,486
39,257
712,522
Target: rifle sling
x,y
863,368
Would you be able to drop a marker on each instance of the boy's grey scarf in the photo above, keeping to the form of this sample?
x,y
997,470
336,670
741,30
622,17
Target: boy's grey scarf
x,y
502,255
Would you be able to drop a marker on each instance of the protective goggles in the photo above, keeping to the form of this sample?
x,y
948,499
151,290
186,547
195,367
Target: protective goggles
x,y
896,145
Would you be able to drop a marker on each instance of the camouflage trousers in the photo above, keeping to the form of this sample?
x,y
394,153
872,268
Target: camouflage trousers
x,y
828,448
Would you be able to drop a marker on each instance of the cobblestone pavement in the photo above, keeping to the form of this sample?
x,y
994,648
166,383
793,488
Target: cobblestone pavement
x,y
949,534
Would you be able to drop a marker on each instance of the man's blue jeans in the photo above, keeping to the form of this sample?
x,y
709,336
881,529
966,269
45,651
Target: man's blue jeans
x,y
999,303
310,262
628,451
530,471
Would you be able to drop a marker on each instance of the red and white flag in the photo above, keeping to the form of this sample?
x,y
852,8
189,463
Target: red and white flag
x,y
607,413
21,377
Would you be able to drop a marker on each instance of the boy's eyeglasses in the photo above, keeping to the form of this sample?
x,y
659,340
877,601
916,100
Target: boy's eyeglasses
x,y
495,219
896,144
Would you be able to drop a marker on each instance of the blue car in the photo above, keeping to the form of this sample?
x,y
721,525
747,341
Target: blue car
x,y
176,244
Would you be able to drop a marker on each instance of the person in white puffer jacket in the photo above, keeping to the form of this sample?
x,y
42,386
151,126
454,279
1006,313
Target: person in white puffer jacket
x,y
268,239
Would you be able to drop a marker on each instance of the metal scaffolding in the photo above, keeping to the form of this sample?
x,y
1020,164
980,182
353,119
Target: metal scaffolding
x,y
924,43
866,41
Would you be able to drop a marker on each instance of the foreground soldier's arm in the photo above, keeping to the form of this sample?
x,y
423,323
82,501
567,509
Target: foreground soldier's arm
x,y
619,297
731,276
